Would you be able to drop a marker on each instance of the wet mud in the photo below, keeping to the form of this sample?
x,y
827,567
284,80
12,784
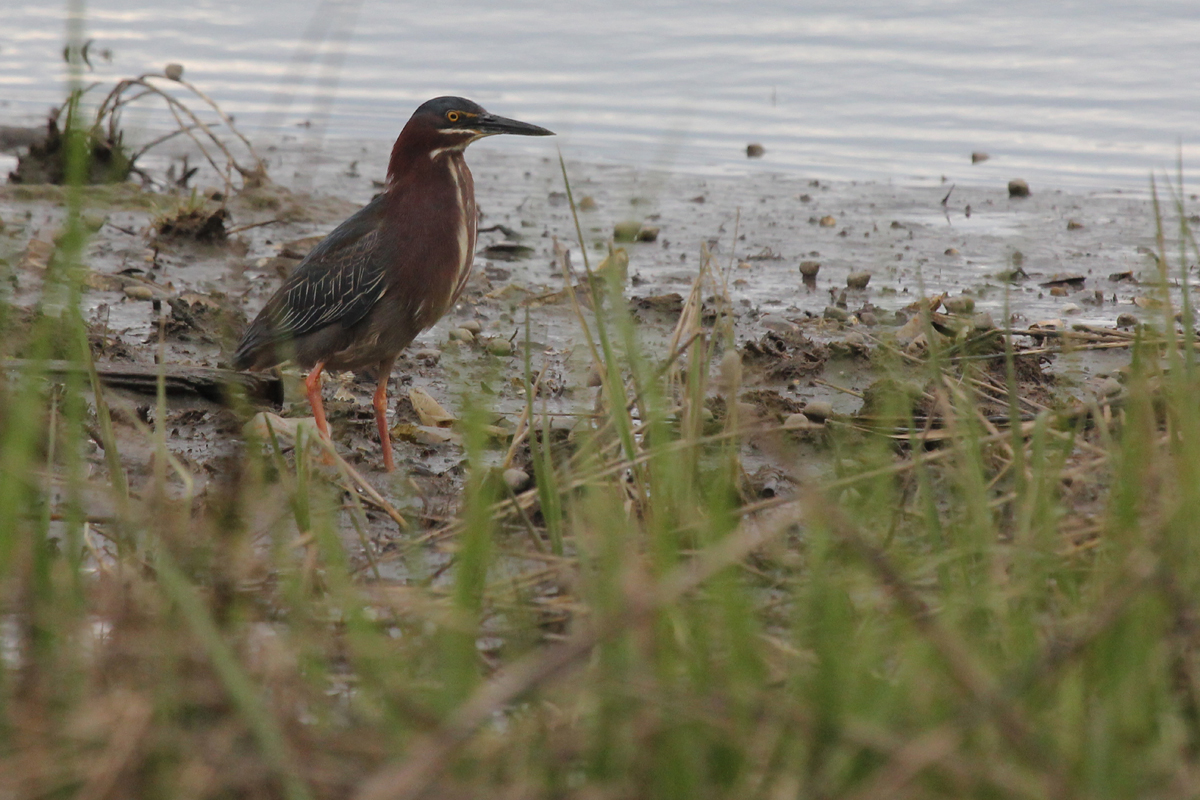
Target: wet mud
x,y
824,283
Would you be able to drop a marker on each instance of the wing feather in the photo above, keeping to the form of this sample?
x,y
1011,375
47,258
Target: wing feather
x,y
339,281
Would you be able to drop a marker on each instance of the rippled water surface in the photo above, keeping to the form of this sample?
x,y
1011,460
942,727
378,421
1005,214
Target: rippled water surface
x,y
1090,95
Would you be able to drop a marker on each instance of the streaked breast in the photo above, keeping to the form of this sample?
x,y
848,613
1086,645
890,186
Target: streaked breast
x,y
467,222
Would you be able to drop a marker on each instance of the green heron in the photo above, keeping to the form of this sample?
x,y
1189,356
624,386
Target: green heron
x,y
388,272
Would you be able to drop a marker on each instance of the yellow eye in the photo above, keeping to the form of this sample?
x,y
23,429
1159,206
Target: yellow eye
x,y
452,116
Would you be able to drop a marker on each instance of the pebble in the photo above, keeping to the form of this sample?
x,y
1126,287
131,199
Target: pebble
x,y
1108,387
427,354
818,410
429,435
1059,291
868,318
827,221
799,422
587,203
1018,188
1074,225
979,156
138,292
835,313
858,280
960,304
1148,303
1126,320
983,321
748,411
264,423
500,347
777,323
516,479
755,150
1070,308
472,325
856,342
951,251
918,345
626,231
909,331
648,233
809,269
461,335
173,71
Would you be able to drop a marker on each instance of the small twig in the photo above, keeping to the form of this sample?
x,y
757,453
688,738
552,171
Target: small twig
x,y
166,137
247,227
115,99
523,422
842,389
534,538
122,229
357,477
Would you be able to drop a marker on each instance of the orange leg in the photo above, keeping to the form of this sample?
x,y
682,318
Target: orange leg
x,y
381,405
312,385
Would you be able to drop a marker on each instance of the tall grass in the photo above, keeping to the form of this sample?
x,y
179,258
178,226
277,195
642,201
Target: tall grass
x,y
1009,610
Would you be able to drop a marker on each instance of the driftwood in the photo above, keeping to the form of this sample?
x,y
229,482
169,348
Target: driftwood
x,y
217,385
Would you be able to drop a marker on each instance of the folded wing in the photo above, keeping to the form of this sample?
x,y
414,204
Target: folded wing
x,y
337,283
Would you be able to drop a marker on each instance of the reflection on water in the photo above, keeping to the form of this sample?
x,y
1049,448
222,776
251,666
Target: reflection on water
x,y
1071,94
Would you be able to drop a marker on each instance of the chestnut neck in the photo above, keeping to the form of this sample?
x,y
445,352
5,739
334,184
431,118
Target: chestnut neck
x,y
416,149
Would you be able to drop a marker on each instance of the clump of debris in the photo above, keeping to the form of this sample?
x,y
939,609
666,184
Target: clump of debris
x,y
196,220
111,159
46,159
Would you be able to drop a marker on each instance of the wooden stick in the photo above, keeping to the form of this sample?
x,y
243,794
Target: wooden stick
x,y
206,382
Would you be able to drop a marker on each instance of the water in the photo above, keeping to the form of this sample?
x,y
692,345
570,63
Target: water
x,y
1076,95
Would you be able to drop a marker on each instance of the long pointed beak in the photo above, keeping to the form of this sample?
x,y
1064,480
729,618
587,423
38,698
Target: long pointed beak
x,y
490,125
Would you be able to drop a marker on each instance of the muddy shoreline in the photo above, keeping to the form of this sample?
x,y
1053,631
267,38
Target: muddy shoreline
x,y
1053,259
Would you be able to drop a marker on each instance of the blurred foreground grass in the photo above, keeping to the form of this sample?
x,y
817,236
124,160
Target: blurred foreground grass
x,y
1008,609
